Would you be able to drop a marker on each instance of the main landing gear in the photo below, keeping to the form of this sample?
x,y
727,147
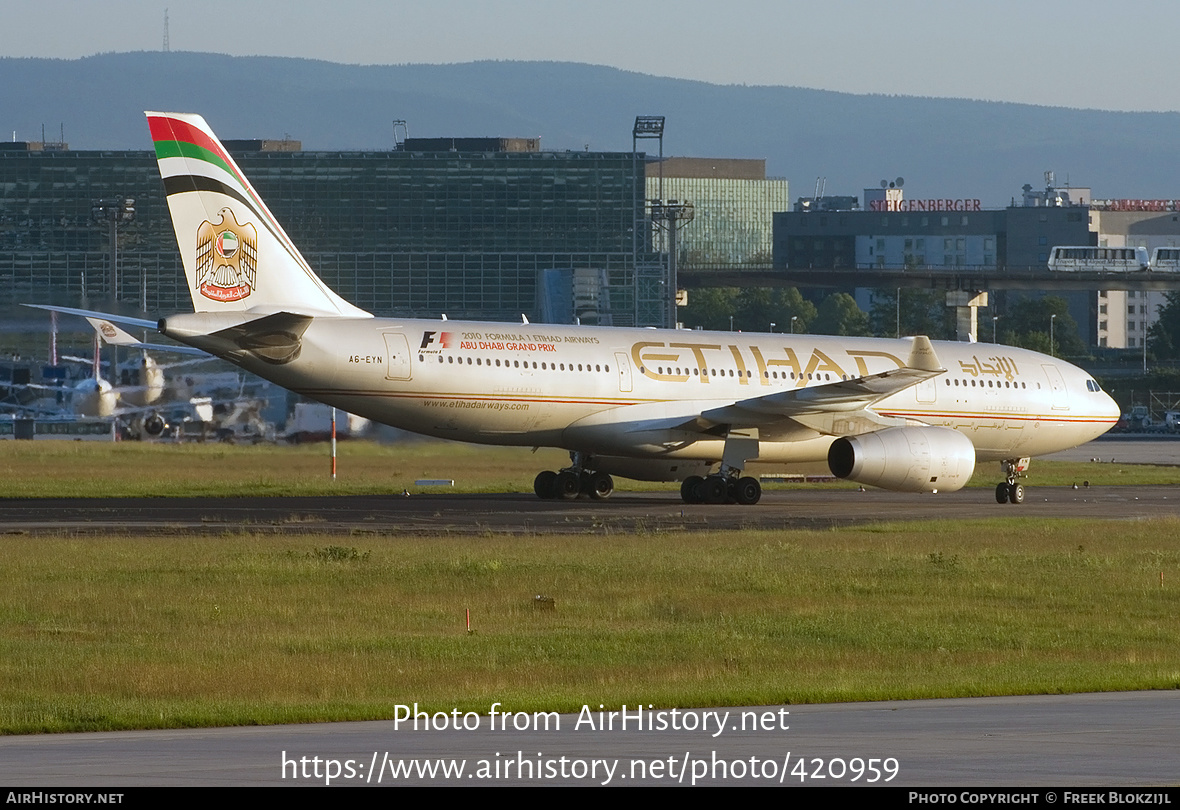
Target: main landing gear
x,y
728,485
573,482
721,488
1010,491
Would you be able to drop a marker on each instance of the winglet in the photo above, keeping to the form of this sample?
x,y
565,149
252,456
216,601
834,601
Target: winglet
x,y
922,355
109,333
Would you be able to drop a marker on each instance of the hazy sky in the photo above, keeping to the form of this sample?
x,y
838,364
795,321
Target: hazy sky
x,y
1073,53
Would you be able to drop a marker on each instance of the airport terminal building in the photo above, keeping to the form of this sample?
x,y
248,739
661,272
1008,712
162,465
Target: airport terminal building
x,y
1125,316
941,233
462,227
891,233
734,205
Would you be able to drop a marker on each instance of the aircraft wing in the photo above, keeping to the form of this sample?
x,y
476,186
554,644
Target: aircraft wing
x,y
838,408
109,333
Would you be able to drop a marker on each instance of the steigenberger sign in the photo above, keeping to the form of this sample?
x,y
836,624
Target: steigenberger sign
x,y
924,205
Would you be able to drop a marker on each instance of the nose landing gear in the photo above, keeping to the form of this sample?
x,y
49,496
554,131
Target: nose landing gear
x,y
1010,491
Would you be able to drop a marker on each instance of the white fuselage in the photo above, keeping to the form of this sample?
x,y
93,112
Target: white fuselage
x,y
620,392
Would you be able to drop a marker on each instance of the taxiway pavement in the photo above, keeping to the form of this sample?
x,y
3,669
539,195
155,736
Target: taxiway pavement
x,y
521,513
1111,740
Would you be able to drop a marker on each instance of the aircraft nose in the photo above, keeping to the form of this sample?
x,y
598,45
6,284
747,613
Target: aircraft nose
x,y
1108,412
1111,408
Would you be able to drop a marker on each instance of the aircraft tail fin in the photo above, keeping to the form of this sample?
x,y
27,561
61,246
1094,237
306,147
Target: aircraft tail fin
x,y
236,255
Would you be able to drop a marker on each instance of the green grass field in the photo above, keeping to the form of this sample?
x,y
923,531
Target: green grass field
x,y
117,632
125,632
95,469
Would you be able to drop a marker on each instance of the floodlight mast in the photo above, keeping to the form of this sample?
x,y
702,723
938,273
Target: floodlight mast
x,y
671,216
649,127
114,213
667,215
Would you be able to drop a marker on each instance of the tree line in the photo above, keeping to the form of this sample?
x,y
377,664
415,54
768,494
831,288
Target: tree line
x,y
1032,323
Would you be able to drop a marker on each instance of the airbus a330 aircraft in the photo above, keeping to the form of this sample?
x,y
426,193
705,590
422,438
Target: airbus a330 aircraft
x,y
690,406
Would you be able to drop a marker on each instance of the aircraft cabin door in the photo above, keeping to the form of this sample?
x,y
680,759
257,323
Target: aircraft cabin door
x,y
927,390
1060,395
398,348
624,367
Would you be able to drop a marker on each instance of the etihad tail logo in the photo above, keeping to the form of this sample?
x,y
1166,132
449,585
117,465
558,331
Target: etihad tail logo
x,y
227,258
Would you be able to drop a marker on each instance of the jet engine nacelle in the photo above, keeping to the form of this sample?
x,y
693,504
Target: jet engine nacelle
x,y
910,459
154,424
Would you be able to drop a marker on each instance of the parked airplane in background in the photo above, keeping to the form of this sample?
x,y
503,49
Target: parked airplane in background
x,y
697,407
137,397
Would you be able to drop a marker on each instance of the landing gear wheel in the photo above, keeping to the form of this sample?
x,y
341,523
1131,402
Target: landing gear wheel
x,y
715,489
545,485
1010,491
600,486
569,485
747,491
690,489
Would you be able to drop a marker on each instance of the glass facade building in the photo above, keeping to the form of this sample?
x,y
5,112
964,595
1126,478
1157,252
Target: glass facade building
x,y
403,233
733,210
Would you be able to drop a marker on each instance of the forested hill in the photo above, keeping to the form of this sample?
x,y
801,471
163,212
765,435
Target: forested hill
x,y
943,147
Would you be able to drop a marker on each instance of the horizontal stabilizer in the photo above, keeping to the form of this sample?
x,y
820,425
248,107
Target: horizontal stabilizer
x,y
138,323
113,335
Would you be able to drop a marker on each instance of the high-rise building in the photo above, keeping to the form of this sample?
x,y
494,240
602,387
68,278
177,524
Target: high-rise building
x,y
733,209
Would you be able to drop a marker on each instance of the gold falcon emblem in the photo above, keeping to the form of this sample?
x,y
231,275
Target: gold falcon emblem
x,y
227,258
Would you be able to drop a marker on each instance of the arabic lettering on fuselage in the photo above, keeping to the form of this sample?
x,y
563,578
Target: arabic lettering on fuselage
x,y
995,367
